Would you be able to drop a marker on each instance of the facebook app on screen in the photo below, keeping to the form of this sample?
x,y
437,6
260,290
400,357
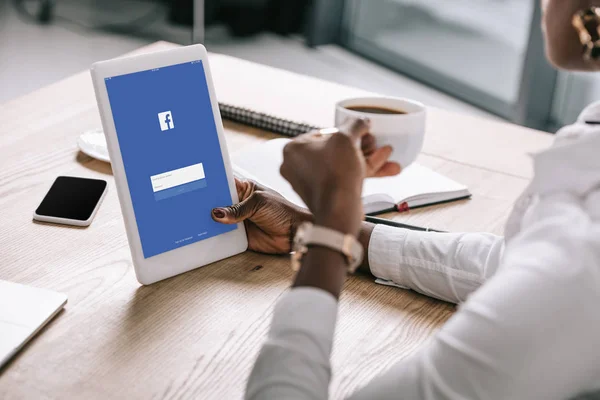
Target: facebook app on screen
x,y
171,152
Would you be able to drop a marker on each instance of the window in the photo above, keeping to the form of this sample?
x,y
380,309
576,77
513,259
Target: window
x,y
487,52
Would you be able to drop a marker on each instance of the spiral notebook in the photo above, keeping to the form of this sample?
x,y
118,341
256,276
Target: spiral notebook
x,y
417,186
264,121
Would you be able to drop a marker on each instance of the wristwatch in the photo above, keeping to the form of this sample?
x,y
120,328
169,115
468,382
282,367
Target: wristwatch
x,y
587,24
309,234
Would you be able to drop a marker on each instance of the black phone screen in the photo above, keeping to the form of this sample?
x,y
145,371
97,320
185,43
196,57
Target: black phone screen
x,y
72,198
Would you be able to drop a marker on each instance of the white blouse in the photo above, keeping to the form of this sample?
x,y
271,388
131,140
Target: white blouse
x,y
527,326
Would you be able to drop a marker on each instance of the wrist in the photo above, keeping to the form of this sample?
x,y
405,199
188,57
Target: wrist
x,y
322,268
364,238
340,222
342,211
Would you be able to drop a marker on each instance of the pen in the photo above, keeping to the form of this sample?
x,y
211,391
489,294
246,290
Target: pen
x,y
387,222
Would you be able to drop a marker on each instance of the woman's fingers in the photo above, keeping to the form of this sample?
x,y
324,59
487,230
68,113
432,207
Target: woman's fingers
x,y
239,212
378,164
368,145
245,188
388,169
377,159
261,241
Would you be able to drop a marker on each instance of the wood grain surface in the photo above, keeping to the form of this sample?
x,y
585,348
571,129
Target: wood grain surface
x,y
197,335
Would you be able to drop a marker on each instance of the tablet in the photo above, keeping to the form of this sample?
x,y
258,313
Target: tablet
x,y
169,157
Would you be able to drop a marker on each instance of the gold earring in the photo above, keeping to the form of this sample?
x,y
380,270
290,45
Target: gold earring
x,y
587,24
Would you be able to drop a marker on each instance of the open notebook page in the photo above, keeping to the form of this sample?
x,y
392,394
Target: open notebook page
x,y
416,185
261,164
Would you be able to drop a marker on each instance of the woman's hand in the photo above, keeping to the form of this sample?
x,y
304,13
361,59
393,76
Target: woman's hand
x,y
327,171
376,159
271,221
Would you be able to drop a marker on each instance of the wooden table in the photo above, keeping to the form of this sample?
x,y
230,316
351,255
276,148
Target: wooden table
x,y
197,335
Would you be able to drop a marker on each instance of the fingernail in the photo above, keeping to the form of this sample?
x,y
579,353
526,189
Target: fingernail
x,y
219,213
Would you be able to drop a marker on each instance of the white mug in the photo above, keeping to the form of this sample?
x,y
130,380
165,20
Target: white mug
x,y
404,132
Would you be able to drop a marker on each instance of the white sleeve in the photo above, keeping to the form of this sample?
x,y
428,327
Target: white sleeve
x,y
447,266
532,332
294,361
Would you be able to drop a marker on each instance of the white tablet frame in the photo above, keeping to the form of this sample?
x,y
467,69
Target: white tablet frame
x,y
186,258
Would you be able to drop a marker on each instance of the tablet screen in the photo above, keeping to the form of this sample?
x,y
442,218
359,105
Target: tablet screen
x,y
171,153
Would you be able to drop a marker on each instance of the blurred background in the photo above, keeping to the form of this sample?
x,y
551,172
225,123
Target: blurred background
x,y
481,57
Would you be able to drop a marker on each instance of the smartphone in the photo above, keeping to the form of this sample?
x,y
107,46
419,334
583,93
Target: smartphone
x,y
71,201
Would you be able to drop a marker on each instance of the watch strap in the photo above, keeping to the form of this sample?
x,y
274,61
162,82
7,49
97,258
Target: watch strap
x,y
309,234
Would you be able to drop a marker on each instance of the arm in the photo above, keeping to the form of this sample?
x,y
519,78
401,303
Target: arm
x,y
294,362
532,332
526,334
447,266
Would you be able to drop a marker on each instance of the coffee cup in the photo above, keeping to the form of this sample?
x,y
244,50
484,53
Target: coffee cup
x,y
396,122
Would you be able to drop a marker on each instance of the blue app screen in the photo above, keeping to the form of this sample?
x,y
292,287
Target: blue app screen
x,y
172,155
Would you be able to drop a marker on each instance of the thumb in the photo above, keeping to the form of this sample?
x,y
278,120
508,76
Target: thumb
x,y
237,212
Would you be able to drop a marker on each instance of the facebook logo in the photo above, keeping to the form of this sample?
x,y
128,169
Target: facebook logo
x,y
166,121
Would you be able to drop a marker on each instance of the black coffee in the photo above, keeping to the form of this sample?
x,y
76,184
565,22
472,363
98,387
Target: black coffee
x,y
375,110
